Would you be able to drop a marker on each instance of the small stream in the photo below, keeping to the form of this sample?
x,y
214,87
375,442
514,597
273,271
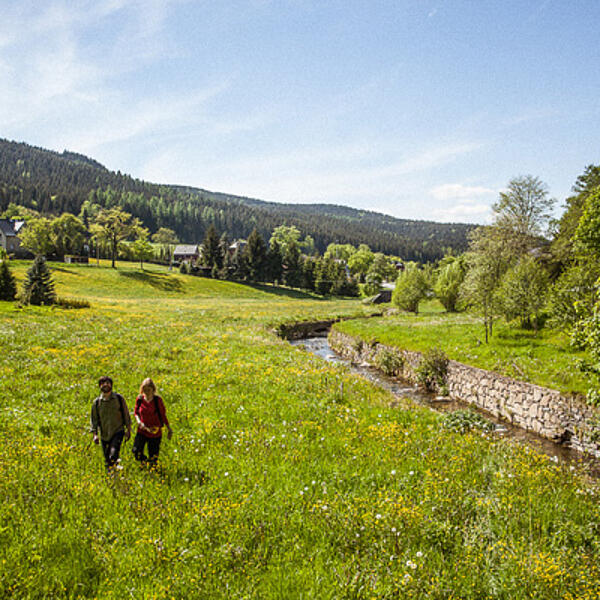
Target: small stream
x,y
556,452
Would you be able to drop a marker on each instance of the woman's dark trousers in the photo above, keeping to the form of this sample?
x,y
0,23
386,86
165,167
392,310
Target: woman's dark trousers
x,y
139,444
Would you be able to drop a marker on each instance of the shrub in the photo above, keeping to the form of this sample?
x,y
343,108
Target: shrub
x,y
391,363
462,421
38,288
72,302
433,368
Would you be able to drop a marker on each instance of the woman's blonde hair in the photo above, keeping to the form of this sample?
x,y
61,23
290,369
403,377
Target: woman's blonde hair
x,y
147,383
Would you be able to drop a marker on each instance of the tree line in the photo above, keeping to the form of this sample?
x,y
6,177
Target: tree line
x,y
55,183
527,268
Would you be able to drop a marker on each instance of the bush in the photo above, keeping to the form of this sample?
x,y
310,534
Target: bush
x,y
389,362
72,302
433,369
462,421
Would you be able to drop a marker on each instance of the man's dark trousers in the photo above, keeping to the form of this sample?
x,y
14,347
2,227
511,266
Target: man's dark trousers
x,y
112,448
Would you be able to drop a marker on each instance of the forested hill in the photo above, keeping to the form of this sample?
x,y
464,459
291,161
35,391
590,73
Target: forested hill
x,y
53,182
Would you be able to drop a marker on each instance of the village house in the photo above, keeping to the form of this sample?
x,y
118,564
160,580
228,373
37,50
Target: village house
x,y
186,253
240,244
9,235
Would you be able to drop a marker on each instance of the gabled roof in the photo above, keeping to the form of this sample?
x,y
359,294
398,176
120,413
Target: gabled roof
x,y
7,226
183,249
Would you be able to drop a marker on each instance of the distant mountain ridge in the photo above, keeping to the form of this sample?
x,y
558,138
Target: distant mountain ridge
x,y
54,182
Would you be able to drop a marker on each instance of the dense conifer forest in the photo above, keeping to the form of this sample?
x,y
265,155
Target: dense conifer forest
x,y
55,183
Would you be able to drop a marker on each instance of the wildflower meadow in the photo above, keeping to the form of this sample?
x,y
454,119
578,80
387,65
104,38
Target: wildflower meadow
x,y
286,477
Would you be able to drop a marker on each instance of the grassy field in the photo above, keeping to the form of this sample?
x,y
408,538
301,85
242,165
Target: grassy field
x,y
544,358
286,477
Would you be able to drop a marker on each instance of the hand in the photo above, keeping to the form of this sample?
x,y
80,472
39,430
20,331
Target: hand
x,y
96,440
169,433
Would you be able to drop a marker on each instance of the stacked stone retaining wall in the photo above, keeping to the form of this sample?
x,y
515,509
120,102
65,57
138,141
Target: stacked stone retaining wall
x,y
558,417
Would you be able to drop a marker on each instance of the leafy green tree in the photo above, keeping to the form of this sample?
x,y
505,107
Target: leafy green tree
x,y
373,283
340,251
36,236
360,262
523,212
38,287
489,258
411,288
522,292
112,226
573,294
285,235
293,265
562,244
19,213
167,238
449,281
8,284
67,234
211,253
142,248
256,256
587,234
382,266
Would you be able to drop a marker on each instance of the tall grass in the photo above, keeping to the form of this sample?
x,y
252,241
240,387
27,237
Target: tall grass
x,y
286,477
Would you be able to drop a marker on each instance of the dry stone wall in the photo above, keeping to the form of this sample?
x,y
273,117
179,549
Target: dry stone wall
x,y
549,413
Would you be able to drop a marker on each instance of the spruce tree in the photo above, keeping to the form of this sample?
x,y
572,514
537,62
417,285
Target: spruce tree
x,y
275,262
211,252
38,288
256,256
8,285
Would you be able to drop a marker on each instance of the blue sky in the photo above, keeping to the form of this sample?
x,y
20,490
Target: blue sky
x,y
421,109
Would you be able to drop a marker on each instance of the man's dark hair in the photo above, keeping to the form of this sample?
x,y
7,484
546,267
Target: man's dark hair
x,y
104,379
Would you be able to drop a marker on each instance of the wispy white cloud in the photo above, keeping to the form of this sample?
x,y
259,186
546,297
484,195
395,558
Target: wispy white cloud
x,y
456,191
461,213
355,174
532,114
471,203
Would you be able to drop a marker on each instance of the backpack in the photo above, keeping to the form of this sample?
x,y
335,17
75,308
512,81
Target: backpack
x,y
156,407
121,402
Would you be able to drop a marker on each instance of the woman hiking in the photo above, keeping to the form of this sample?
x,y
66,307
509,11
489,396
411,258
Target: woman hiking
x,y
151,417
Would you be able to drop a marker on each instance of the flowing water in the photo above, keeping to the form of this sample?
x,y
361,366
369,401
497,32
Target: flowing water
x,y
556,452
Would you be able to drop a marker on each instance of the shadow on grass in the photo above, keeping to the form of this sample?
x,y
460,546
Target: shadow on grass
x,y
158,281
282,291
61,270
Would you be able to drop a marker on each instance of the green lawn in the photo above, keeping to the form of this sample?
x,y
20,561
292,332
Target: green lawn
x,y
544,358
286,477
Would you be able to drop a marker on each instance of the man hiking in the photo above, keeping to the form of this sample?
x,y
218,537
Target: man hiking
x,y
110,415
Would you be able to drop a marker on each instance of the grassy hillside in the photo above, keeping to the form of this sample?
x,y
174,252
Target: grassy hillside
x,y
53,182
286,477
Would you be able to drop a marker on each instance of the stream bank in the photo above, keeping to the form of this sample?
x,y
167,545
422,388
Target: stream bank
x,y
560,450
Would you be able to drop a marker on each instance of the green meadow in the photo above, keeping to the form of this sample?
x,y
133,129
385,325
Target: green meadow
x,y
286,477
543,357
